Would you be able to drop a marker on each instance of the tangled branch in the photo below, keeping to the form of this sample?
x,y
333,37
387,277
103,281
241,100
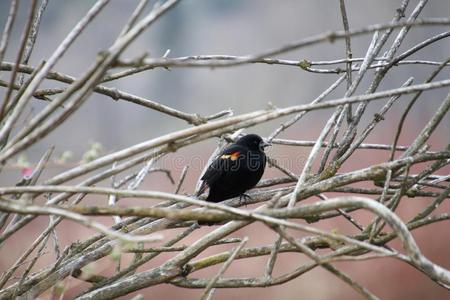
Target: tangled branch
x,y
276,203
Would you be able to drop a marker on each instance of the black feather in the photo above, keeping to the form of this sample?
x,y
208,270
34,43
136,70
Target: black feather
x,y
238,168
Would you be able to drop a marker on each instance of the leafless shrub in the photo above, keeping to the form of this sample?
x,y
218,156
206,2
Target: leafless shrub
x,y
278,200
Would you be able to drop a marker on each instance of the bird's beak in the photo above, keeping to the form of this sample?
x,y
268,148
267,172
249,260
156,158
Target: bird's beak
x,y
265,144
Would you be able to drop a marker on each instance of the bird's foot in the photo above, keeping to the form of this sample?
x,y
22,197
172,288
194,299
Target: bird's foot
x,y
207,223
243,199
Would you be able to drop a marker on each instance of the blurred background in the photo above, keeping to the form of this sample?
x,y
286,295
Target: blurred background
x,y
200,27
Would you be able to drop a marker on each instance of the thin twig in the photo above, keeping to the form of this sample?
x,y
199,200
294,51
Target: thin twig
x,y
209,290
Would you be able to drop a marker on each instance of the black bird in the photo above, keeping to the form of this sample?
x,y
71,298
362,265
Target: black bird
x,y
238,168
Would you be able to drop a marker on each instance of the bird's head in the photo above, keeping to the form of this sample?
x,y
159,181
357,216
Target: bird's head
x,y
253,142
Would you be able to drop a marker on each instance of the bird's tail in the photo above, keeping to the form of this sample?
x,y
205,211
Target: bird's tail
x,y
202,189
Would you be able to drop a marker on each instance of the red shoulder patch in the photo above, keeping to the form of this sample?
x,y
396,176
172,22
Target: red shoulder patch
x,y
235,155
232,156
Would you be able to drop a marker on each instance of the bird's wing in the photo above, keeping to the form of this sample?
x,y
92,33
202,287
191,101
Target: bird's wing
x,y
218,167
